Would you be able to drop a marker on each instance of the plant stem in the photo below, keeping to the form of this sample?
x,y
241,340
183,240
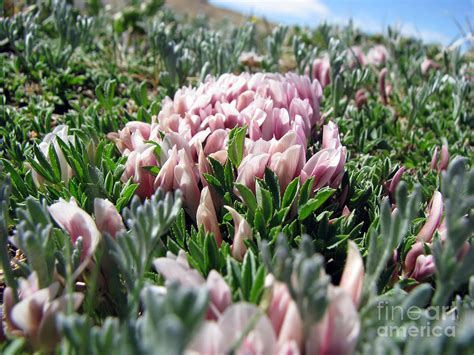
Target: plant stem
x,y
7,268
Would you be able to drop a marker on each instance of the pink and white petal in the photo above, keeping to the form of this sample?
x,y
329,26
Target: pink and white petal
x,y
434,218
338,331
220,293
353,274
173,270
236,320
207,341
27,314
77,223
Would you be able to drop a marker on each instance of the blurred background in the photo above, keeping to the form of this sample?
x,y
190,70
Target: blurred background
x,y
433,21
438,21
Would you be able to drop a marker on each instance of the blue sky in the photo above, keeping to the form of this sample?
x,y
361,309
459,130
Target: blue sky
x,y
431,20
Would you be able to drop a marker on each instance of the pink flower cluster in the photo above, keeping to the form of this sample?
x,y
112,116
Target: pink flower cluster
x,y
280,329
35,315
280,113
418,265
79,224
377,55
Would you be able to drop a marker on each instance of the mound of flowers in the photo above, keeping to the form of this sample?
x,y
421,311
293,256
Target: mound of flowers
x,y
280,115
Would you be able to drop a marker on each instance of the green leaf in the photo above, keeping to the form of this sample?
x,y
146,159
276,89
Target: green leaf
x,y
55,165
213,182
290,193
259,222
236,144
229,175
152,169
197,254
273,184
314,203
248,197
75,159
125,196
40,170
248,272
257,285
43,162
234,273
211,252
264,201
218,171
18,183
306,191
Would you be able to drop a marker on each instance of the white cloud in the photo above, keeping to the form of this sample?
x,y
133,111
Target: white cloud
x,y
311,12
411,30
407,29
269,8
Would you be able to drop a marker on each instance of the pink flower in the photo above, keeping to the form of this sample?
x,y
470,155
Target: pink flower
x,y
378,55
135,168
338,330
289,348
327,166
417,265
444,160
356,57
165,178
360,98
206,215
51,139
416,250
284,315
346,212
220,294
216,141
428,65
275,108
281,121
322,70
218,337
279,145
107,219
132,136
185,180
330,136
35,315
434,218
252,166
424,267
353,274
27,287
175,140
302,109
285,165
208,340
176,268
77,223
250,59
242,231
220,156
397,177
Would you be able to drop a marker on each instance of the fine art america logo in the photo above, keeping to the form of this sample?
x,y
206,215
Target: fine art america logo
x,y
414,321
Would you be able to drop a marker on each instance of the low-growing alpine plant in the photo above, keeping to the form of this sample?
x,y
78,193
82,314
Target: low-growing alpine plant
x,y
176,185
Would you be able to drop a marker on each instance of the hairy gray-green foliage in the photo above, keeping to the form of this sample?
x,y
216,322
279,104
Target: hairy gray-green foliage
x,y
303,272
458,191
